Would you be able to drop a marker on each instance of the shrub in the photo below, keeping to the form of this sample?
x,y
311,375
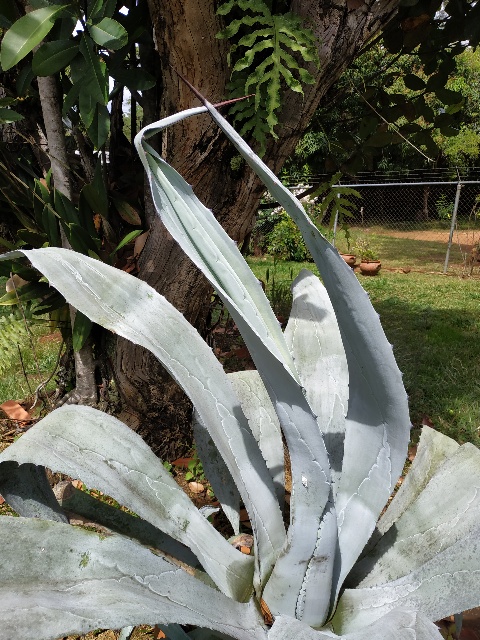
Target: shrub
x,y
285,241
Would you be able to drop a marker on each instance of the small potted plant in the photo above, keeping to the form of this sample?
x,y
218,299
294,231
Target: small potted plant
x,y
349,257
369,262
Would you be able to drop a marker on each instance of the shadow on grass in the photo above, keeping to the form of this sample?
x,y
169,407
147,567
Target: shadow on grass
x,y
438,351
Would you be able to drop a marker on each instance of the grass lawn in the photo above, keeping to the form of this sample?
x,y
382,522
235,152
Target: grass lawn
x,y
17,382
433,322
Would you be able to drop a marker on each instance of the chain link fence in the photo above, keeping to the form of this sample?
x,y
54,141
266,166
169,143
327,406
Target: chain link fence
x,y
425,221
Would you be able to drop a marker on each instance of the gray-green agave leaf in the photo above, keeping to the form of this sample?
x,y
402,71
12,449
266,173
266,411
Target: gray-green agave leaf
x,y
65,580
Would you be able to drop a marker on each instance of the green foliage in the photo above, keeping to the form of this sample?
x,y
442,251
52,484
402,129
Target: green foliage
x,y
84,61
364,249
390,107
285,241
12,334
335,199
26,33
262,62
195,469
444,207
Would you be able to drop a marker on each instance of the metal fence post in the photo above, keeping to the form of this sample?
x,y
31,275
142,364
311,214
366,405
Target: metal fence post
x,y
452,226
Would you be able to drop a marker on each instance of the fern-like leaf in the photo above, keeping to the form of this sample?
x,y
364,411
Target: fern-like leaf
x,y
333,198
267,63
12,333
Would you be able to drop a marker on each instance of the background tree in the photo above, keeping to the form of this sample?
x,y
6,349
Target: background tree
x,y
315,44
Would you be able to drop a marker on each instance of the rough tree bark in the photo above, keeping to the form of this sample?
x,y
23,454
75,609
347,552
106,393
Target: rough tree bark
x,y
184,33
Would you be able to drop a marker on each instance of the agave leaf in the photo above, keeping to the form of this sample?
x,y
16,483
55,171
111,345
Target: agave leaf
x,y
398,624
85,443
64,580
263,420
309,550
82,503
314,340
445,585
206,243
378,423
217,473
433,450
444,513
28,492
131,308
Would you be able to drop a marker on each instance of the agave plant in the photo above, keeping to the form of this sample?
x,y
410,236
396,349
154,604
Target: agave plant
x,y
329,384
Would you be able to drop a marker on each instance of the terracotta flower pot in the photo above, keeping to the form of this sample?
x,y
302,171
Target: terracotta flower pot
x,y
370,267
349,258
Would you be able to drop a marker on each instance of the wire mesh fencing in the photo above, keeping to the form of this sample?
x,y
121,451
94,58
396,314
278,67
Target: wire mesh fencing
x,y
425,221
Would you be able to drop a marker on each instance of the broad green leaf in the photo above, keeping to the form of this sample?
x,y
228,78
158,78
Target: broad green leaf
x,y
74,581
378,422
7,116
95,192
132,309
313,337
26,33
81,330
108,33
126,211
51,57
50,224
100,127
37,240
95,80
311,539
128,238
105,454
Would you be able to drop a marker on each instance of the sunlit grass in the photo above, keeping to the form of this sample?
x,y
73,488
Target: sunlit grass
x,y
433,322
32,361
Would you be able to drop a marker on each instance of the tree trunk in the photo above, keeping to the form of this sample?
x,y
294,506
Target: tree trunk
x,y
85,386
184,33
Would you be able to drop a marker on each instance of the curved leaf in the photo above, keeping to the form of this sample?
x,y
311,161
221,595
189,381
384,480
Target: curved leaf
x,y
105,454
447,584
444,513
109,33
73,581
51,57
28,492
82,503
398,624
378,422
313,337
432,451
217,473
263,422
310,542
26,33
106,295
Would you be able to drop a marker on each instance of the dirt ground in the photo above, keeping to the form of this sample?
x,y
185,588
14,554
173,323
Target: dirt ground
x,y
466,238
